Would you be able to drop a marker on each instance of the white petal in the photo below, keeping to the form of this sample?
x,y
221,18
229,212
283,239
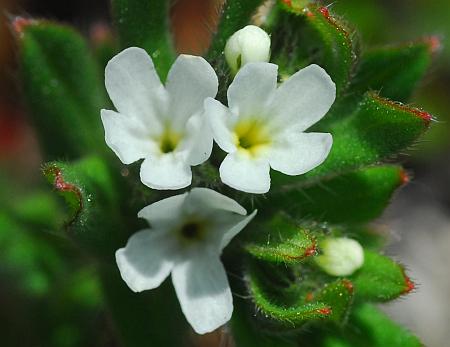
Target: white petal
x,y
126,137
221,121
164,211
198,142
189,82
251,89
207,199
146,260
202,288
167,171
304,98
297,153
233,229
244,173
134,86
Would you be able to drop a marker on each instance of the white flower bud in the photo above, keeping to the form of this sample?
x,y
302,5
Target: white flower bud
x,y
250,44
340,256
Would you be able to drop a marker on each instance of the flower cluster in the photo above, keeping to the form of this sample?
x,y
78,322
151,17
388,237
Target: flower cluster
x,y
172,127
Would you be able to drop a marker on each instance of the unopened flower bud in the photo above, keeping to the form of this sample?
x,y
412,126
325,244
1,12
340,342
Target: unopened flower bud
x,y
340,256
250,44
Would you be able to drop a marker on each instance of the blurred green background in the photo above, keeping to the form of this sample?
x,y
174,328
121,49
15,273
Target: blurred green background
x,y
49,293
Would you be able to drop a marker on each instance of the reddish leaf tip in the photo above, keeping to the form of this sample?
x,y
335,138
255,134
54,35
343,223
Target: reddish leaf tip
x,y
425,116
61,185
404,177
410,285
20,23
324,10
288,2
326,311
348,285
434,43
311,250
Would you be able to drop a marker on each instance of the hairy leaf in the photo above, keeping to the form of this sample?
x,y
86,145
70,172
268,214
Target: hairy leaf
x,y
88,188
356,197
283,242
394,71
62,88
380,279
377,130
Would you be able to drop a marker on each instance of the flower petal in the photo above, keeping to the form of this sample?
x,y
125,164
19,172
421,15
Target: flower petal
x,y
199,140
146,260
221,120
201,199
167,171
189,82
297,153
244,173
135,88
303,99
251,89
202,288
126,137
163,212
232,228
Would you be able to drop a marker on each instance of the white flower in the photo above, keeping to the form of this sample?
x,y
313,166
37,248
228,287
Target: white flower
x,y
188,234
162,125
264,126
250,44
340,256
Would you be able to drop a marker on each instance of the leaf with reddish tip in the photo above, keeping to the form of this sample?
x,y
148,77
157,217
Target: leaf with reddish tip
x,y
377,130
88,189
279,304
380,279
283,242
289,301
339,296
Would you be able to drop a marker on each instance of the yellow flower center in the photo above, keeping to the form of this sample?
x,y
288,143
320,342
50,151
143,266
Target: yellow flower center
x,y
251,136
169,140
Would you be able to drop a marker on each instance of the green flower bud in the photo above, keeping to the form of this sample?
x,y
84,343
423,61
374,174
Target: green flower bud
x,y
340,256
250,44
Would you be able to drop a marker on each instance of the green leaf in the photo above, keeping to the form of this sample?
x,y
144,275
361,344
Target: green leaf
x,y
380,279
377,130
146,24
339,296
374,329
236,14
27,259
280,300
91,196
283,242
356,197
248,334
62,88
394,71
313,35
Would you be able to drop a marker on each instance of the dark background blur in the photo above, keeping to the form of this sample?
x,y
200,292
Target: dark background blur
x,y
418,220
